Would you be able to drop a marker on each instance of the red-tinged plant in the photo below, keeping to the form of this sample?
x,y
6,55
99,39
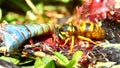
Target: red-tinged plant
x,y
98,9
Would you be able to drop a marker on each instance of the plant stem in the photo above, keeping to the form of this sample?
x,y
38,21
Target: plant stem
x,y
32,6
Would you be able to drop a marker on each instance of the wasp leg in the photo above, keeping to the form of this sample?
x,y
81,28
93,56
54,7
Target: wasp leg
x,y
66,41
87,39
72,44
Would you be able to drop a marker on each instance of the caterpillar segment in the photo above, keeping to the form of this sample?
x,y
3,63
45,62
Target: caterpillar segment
x,y
12,36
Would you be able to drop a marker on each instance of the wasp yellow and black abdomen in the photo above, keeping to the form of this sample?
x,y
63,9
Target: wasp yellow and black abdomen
x,y
96,34
91,30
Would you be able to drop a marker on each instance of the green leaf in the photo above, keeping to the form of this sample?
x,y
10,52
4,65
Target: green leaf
x,y
25,61
50,7
46,60
64,1
61,58
77,55
75,58
40,7
39,63
71,64
50,64
10,59
27,67
12,17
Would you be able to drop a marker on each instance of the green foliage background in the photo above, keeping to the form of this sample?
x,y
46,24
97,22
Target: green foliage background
x,y
20,8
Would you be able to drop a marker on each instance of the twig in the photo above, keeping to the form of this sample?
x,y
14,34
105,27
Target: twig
x,y
32,6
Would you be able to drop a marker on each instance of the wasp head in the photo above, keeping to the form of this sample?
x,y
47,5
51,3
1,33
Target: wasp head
x,y
66,31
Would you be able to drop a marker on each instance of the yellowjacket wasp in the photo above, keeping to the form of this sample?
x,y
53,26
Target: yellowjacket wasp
x,y
85,30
